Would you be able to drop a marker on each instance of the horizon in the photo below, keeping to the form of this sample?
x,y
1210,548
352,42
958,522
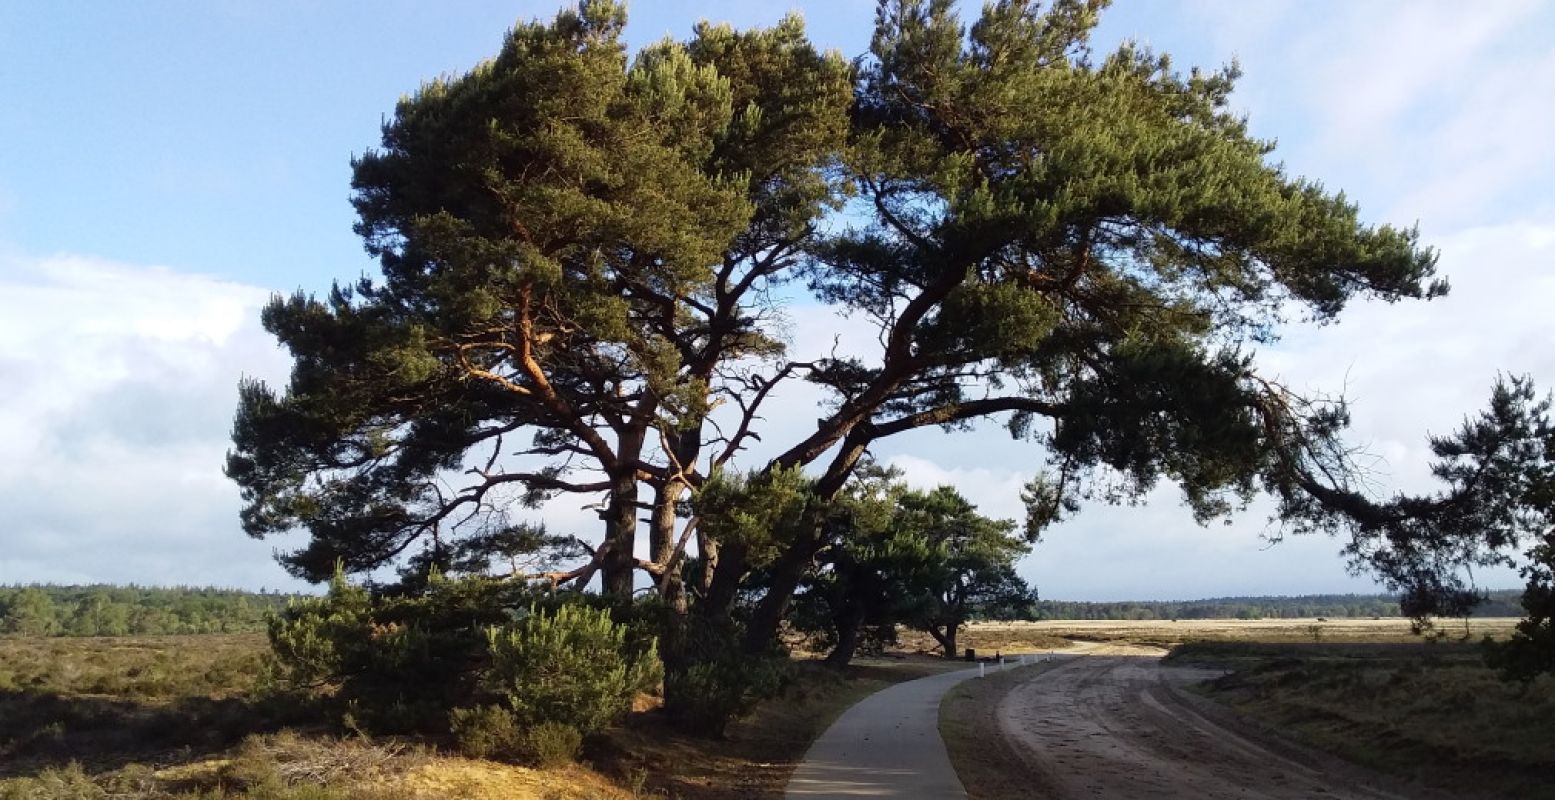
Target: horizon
x,y
267,591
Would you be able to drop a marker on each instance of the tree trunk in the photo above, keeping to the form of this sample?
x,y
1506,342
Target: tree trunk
x,y
619,566
848,619
787,572
661,541
725,582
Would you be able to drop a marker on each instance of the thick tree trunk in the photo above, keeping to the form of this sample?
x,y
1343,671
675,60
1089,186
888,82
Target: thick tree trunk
x,y
848,620
726,577
619,566
661,542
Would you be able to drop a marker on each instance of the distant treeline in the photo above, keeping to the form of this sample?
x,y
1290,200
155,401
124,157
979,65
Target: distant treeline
x,y
1500,604
126,610
137,610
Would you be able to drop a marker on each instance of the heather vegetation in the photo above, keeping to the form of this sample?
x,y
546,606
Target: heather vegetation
x,y
1431,711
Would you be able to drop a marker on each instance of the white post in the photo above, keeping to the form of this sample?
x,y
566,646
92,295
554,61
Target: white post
x,y
982,670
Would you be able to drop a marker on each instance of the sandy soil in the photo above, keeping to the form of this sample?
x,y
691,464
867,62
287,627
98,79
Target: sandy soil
x,y
1111,724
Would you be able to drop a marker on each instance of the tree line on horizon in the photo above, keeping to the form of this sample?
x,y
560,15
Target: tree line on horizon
x,y
1498,603
112,610
115,610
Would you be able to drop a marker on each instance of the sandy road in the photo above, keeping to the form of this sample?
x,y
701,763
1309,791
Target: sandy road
x,y
1109,724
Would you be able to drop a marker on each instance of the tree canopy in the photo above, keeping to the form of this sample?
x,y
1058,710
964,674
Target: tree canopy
x,y
585,255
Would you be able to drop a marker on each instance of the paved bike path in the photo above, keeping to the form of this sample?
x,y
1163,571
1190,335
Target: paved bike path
x,y
888,745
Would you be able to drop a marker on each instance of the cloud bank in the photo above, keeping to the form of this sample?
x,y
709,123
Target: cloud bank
x,y
117,388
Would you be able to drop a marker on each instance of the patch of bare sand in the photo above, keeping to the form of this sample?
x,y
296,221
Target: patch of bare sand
x,y
1111,724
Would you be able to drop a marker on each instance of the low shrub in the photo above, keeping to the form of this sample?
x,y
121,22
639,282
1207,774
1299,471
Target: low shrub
x,y
66,783
572,666
552,744
485,731
397,662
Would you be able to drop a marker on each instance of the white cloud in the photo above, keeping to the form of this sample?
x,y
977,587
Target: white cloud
x,y
1428,111
120,383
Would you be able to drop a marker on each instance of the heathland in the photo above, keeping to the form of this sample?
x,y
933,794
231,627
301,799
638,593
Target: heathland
x,y
199,715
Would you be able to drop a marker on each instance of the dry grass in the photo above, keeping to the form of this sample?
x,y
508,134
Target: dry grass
x,y
132,667
177,717
106,703
988,638
1429,712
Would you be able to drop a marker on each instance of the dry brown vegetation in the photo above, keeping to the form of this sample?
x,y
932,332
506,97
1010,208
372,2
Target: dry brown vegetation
x,y
1429,712
186,717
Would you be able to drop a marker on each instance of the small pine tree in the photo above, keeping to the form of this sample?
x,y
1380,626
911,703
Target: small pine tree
x,y
1531,650
573,666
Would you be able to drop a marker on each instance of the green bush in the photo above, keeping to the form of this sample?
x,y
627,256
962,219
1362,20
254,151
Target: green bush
x,y
572,666
552,744
397,662
485,731
710,680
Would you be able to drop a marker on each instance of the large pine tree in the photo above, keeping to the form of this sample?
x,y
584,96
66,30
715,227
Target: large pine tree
x,y
581,255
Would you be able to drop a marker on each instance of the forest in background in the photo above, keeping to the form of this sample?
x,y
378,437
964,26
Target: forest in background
x,y
1500,603
104,610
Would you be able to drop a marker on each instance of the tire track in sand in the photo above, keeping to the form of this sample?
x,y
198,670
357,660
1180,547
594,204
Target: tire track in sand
x,y
1109,724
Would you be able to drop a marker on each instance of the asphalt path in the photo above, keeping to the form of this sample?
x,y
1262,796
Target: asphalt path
x,y
887,745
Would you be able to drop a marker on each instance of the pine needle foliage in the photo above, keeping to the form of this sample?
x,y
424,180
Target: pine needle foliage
x,y
572,666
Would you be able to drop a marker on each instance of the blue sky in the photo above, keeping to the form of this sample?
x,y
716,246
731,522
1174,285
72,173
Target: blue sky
x,y
165,166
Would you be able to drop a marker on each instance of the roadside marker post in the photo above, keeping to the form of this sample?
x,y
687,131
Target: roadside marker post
x,y
982,670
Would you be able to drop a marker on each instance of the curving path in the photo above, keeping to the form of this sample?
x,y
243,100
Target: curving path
x,y
888,745
1113,724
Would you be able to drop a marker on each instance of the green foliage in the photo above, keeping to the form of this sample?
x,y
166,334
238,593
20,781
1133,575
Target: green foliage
x,y
102,610
581,248
760,512
485,731
552,227
899,556
1531,650
552,744
710,680
394,662
572,666
1498,471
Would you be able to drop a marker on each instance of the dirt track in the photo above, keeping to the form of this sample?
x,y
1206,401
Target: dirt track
x,y
1109,724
